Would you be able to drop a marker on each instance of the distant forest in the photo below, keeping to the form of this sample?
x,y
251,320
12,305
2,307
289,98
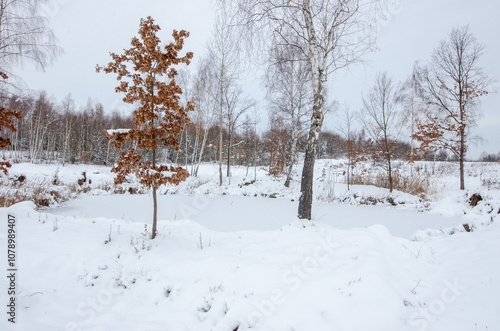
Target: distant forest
x,y
59,131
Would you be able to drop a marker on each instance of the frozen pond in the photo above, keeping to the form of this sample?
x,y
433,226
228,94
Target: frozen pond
x,y
236,213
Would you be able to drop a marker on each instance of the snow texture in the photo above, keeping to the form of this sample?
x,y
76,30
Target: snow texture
x,y
232,257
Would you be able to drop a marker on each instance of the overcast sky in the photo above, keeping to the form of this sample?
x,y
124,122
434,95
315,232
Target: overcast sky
x,y
89,29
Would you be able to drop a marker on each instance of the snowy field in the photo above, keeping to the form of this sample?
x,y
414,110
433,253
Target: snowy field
x,y
236,257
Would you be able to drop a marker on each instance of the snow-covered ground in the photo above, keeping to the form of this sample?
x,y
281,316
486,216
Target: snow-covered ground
x,y
236,258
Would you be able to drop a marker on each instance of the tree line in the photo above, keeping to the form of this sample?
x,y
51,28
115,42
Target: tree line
x,y
62,132
50,131
396,121
207,116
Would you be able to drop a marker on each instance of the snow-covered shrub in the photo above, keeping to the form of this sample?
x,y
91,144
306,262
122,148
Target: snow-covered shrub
x,y
44,193
415,183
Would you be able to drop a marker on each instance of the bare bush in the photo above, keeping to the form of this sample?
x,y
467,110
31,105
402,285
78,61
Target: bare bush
x,y
418,183
43,193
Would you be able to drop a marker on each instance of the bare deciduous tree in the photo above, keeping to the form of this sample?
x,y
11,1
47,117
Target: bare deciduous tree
x,y
409,97
224,53
236,104
24,37
67,108
287,80
353,151
381,120
451,85
204,107
40,118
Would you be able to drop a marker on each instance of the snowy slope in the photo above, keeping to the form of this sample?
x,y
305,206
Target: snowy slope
x,y
303,276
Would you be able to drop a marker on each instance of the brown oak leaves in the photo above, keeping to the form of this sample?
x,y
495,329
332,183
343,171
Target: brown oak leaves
x,y
159,116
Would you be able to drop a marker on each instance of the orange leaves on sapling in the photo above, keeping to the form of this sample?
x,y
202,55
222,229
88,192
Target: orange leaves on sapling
x,y
159,116
149,175
7,117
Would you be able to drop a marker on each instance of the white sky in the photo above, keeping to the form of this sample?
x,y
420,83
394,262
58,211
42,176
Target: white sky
x,y
89,29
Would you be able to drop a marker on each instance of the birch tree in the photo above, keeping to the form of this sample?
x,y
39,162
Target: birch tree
x,y
40,120
410,97
67,108
236,105
204,104
224,52
353,150
330,35
381,119
287,81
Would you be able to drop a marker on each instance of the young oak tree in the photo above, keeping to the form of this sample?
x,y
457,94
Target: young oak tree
x,y
7,121
159,117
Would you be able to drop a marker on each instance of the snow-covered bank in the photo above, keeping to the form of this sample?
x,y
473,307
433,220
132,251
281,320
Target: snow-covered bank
x,y
238,213
234,257
99,273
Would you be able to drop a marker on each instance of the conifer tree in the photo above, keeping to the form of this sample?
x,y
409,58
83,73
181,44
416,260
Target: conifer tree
x,y
159,117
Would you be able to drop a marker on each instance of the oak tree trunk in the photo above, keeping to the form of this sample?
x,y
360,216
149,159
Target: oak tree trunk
x,y
155,203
